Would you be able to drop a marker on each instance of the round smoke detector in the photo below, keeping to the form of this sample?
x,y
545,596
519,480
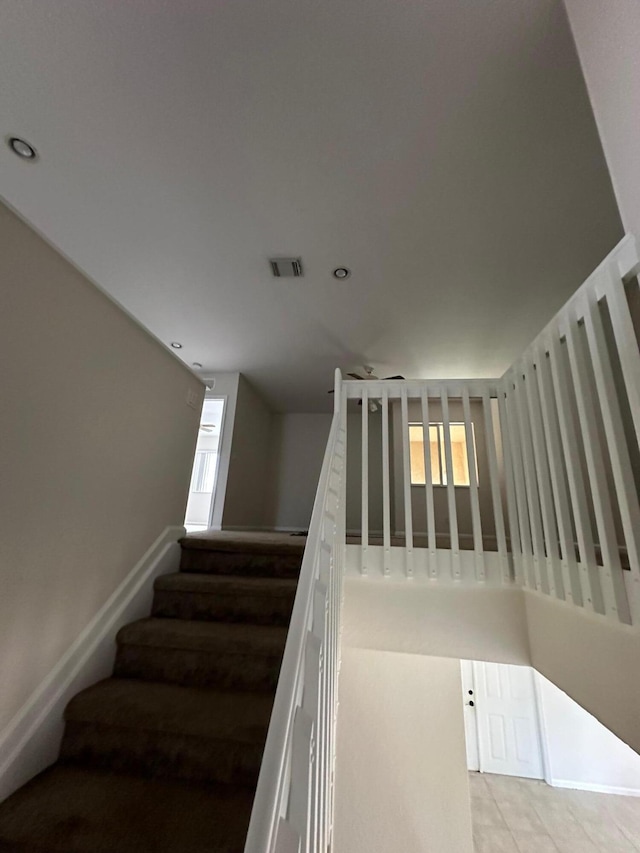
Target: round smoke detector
x,y
341,273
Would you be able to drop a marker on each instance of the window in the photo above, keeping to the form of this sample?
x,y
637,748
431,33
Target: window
x,y
204,471
459,456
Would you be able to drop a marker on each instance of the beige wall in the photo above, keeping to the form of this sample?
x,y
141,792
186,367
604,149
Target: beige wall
x,y
579,749
298,444
460,622
607,35
592,660
96,451
246,485
401,773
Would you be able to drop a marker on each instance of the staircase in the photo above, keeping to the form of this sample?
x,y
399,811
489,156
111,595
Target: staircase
x,y
165,754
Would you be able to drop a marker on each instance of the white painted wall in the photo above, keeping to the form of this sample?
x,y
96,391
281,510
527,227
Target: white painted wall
x,y
580,751
298,443
607,35
595,661
463,622
401,775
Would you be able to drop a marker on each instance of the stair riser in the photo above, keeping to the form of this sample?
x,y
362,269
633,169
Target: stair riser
x,y
161,755
257,610
198,669
247,565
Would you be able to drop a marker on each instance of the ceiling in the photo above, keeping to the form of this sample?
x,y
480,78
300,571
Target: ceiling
x,y
444,150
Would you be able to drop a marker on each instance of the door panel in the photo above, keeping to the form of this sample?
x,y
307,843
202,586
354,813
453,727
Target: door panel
x,y
507,720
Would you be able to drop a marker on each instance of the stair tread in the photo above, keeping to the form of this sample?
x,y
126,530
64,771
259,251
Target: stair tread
x,y
173,709
225,584
277,544
74,810
232,637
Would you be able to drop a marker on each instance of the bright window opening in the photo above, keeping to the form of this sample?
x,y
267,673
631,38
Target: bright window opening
x,y
204,471
459,457
205,466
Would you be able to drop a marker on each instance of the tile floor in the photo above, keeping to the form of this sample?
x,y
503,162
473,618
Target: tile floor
x,y
513,815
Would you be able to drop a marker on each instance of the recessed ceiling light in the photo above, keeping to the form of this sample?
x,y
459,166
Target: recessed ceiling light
x,y
341,273
196,364
176,345
22,148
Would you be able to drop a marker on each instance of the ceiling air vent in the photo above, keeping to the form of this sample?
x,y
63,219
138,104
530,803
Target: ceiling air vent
x,y
286,267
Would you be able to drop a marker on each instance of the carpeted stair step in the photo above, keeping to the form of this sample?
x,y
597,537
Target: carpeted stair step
x,y
224,598
232,554
72,810
201,654
161,730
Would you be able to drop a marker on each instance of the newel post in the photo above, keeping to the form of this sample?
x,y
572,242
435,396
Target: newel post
x,y
337,387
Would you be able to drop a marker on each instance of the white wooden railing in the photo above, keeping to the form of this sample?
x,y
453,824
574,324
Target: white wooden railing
x,y
572,405
553,457
293,807
428,515
551,504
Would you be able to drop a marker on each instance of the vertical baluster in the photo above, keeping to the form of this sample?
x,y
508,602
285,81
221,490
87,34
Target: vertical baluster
x,y
614,432
509,450
331,675
473,486
592,586
494,483
302,766
365,481
428,485
454,543
541,462
320,665
626,343
287,838
531,485
312,700
333,560
569,564
322,649
524,519
386,505
615,594
406,466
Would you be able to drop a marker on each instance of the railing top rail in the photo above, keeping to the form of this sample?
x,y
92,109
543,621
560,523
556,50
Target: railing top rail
x,y
415,387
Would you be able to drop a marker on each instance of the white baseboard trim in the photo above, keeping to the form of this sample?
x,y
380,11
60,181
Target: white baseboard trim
x,y
592,786
31,739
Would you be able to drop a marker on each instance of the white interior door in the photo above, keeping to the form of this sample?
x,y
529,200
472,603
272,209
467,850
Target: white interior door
x,y
470,722
507,720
